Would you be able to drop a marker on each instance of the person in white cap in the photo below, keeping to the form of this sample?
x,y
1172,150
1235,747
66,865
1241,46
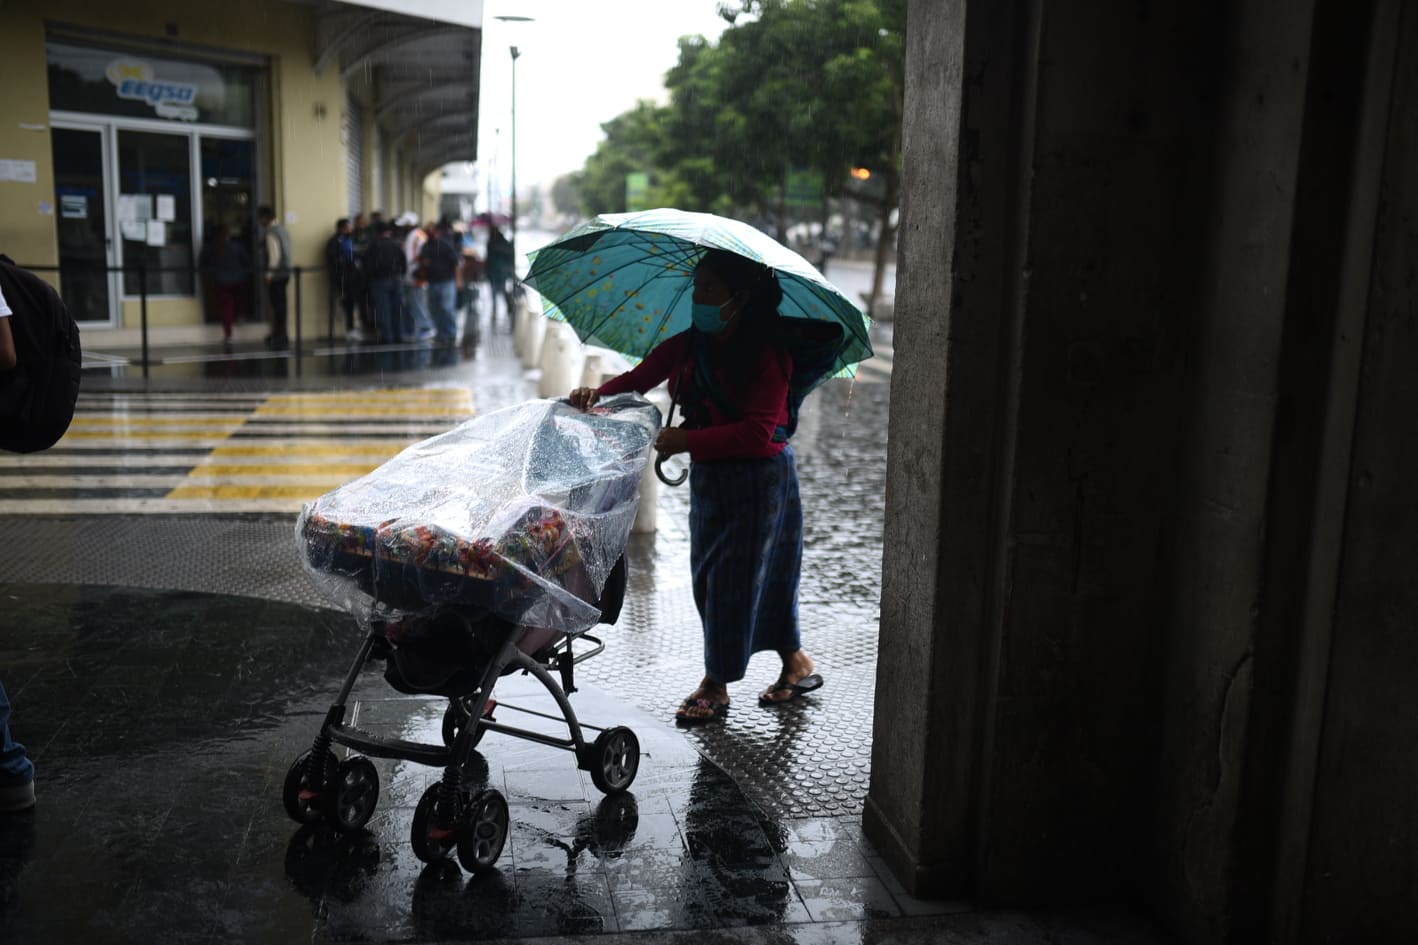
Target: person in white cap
x,y
417,323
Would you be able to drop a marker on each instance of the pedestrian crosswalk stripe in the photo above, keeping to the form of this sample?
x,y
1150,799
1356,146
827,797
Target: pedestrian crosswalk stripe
x,y
268,490
431,409
82,420
341,471
308,448
134,453
121,434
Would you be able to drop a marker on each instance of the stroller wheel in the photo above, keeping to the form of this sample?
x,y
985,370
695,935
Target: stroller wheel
x,y
483,831
430,842
306,804
615,757
456,718
356,793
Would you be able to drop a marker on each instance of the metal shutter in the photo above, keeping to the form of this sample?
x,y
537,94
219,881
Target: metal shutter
x,y
354,153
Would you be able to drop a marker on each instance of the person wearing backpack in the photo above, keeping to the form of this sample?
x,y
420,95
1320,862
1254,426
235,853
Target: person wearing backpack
x,y
16,769
7,340
39,386
40,360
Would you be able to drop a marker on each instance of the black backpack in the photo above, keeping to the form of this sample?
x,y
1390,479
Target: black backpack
x,y
37,398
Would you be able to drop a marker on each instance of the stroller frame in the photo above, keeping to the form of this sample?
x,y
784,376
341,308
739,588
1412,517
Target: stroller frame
x,y
320,787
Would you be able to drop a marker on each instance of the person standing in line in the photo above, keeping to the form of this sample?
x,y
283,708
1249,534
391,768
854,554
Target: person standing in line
x,y
441,260
417,325
275,268
344,275
364,306
227,265
384,267
16,769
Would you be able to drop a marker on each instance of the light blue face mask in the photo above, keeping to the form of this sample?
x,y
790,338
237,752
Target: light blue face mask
x,y
706,317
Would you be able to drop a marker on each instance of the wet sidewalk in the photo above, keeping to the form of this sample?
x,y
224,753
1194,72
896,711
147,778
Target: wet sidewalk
x,y
166,670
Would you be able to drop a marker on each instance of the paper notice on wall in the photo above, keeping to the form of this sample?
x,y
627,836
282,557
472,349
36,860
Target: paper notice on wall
x,y
136,230
157,233
167,208
22,172
137,207
73,206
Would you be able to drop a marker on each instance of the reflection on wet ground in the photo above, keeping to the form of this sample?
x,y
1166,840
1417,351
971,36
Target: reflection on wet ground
x,y
163,723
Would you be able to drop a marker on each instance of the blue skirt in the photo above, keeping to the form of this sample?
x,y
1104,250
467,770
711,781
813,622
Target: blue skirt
x,y
746,553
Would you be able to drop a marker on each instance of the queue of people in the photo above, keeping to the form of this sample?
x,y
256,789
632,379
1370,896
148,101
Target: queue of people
x,y
392,281
400,281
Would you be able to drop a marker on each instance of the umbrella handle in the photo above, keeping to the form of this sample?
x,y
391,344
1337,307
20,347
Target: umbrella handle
x,y
660,472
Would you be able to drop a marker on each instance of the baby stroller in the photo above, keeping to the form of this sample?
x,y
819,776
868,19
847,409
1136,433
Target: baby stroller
x,y
487,550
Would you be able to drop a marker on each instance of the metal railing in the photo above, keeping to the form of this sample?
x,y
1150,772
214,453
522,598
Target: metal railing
x,y
195,273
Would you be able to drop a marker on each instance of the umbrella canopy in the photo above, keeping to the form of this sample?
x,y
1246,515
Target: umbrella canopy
x,y
625,281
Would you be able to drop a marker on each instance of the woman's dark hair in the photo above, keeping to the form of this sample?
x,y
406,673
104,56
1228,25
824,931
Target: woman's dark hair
x,y
743,274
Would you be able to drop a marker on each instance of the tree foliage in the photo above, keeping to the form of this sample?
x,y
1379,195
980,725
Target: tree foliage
x,y
810,85
791,84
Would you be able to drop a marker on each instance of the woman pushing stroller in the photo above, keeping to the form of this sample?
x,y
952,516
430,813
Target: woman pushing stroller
x,y
730,375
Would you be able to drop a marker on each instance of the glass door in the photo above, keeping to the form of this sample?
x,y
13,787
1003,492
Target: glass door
x,y
82,223
155,212
228,172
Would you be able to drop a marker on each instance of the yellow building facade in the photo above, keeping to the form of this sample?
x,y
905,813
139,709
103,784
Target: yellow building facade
x,y
132,131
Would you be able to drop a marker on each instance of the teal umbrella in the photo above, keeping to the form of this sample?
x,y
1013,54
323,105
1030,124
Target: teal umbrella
x,y
624,281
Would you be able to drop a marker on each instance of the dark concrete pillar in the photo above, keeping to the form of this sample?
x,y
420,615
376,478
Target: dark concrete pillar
x,y
1147,606
1046,271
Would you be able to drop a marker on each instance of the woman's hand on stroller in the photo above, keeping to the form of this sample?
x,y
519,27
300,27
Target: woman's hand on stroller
x,y
583,397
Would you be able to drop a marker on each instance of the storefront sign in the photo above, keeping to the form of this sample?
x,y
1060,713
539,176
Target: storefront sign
x,y
135,81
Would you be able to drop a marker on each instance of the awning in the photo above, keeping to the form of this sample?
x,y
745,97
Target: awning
x,y
417,70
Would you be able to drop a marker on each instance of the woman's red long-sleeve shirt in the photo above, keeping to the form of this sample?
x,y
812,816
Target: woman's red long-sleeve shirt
x,y
762,401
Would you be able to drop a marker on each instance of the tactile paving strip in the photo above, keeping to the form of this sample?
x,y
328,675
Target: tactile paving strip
x,y
806,759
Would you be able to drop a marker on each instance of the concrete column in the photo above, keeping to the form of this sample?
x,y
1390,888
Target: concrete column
x,y
1081,192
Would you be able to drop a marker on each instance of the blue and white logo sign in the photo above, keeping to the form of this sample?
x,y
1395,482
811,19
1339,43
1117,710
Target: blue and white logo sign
x,y
134,80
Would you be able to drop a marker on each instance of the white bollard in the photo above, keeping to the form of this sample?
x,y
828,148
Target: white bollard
x,y
649,499
592,371
560,361
529,309
532,341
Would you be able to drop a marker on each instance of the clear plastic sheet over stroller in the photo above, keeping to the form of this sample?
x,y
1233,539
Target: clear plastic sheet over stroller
x,y
485,550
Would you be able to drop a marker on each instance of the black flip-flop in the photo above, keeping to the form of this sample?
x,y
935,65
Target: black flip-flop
x,y
717,710
802,687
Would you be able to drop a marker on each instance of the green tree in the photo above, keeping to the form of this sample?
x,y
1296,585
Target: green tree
x,y
633,142
791,84
821,85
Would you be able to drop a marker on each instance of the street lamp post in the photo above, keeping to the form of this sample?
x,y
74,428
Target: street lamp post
x,y
513,129
515,54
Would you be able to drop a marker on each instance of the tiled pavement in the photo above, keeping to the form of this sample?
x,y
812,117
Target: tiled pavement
x,y
163,720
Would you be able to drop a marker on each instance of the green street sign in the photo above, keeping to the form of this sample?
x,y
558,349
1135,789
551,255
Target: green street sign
x,y
805,188
637,191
